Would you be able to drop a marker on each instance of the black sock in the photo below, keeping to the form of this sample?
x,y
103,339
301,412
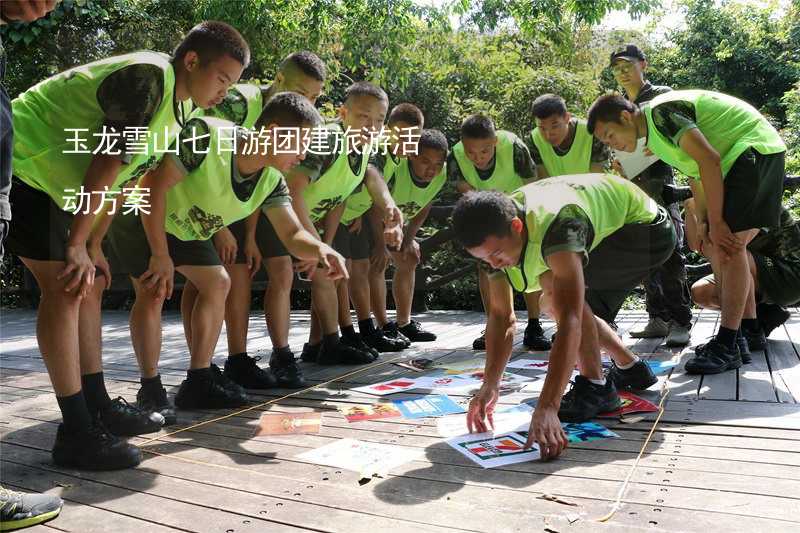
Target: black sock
x,y
533,322
199,374
153,383
282,351
750,325
94,391
331,341
366,326
727,337
74,412
348,331
237,355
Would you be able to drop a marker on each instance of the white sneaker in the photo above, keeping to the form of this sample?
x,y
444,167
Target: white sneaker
x,y
678,335
655,327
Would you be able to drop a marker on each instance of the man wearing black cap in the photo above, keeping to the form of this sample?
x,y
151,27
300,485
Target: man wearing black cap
x,y
668,297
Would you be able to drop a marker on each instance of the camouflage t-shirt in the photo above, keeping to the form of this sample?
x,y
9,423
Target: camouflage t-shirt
x,y
673,119
570,231
600,152
523,165
324,154
782,242
130,97
234,106
194,148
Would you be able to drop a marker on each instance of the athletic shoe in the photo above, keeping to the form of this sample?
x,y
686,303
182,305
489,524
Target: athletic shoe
x,y
286,371
310,352
205,393
713,358
376,340
126,420
355,340
414,332
637,377
678,335
155,399
656,327
93,449
18,510
534,338
770,316
343,354
585,400
480,342
744,349
391,330
243,370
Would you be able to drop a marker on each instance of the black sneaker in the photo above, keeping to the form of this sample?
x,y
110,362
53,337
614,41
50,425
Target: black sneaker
x,y
355,340
344,354
219,377
744,349
380,342
713,358
126,420
391,330
415,333
19,509
534,338
94,449
756,340
286,371
637,377
585,400
155,399
203,393
243,370
310,352
770,316
480,342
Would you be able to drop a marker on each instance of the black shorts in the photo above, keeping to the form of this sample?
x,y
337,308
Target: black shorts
x,y
623,260
41,228
354,245
129,251
754,191
267,240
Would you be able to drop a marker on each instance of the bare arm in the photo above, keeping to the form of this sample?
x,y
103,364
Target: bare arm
x,y
297,182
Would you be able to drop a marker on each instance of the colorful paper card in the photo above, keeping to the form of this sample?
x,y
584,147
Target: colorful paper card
x,y
515,418
389,387
366,458
587,431
660,367
430,405
443,382
357,413
630,404
529,364
492,450
288,423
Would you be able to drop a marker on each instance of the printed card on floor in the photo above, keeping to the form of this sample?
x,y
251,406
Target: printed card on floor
x,y
357,413
288,423
430,405
529,364
442,382
630,404
366,458
460,367
660,367
587,431
389,387
490,450
515,418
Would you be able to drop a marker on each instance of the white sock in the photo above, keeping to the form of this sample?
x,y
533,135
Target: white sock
x,y
601,382
629,365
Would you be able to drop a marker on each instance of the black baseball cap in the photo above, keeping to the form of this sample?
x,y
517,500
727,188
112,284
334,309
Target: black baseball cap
x,y
628,52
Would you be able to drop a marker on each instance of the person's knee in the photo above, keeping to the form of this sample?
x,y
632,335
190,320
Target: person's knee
x,y
280,275
704,294
215,284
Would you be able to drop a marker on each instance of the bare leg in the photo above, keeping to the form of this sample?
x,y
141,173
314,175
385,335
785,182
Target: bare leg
x,y
208,313
90,329
377,294
145,323
532,302
735,284
359,289
237,308
403,285
188,297
589,363
57,327
277,299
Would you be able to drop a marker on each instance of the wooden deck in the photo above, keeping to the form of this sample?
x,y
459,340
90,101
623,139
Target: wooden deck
x,y
725,455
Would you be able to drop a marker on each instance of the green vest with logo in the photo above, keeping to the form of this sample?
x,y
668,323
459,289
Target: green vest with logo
x,y
360,201
68,101
410,197
247,95
609,201
730,125
577,160
336,183
504,178
207,199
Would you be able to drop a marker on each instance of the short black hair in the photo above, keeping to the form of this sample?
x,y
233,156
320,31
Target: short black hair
x,y
408,113
433,139
365,88
306,62
477,126
479,215
212,39
607,108
288,110
548,105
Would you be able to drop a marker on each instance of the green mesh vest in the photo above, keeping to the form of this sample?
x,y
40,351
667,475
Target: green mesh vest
x,y
577,160
504,178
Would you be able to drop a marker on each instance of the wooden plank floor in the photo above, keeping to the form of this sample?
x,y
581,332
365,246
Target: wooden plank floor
x,y
725,455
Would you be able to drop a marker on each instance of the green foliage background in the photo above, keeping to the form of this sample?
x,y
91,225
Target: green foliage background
x,y
501,55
